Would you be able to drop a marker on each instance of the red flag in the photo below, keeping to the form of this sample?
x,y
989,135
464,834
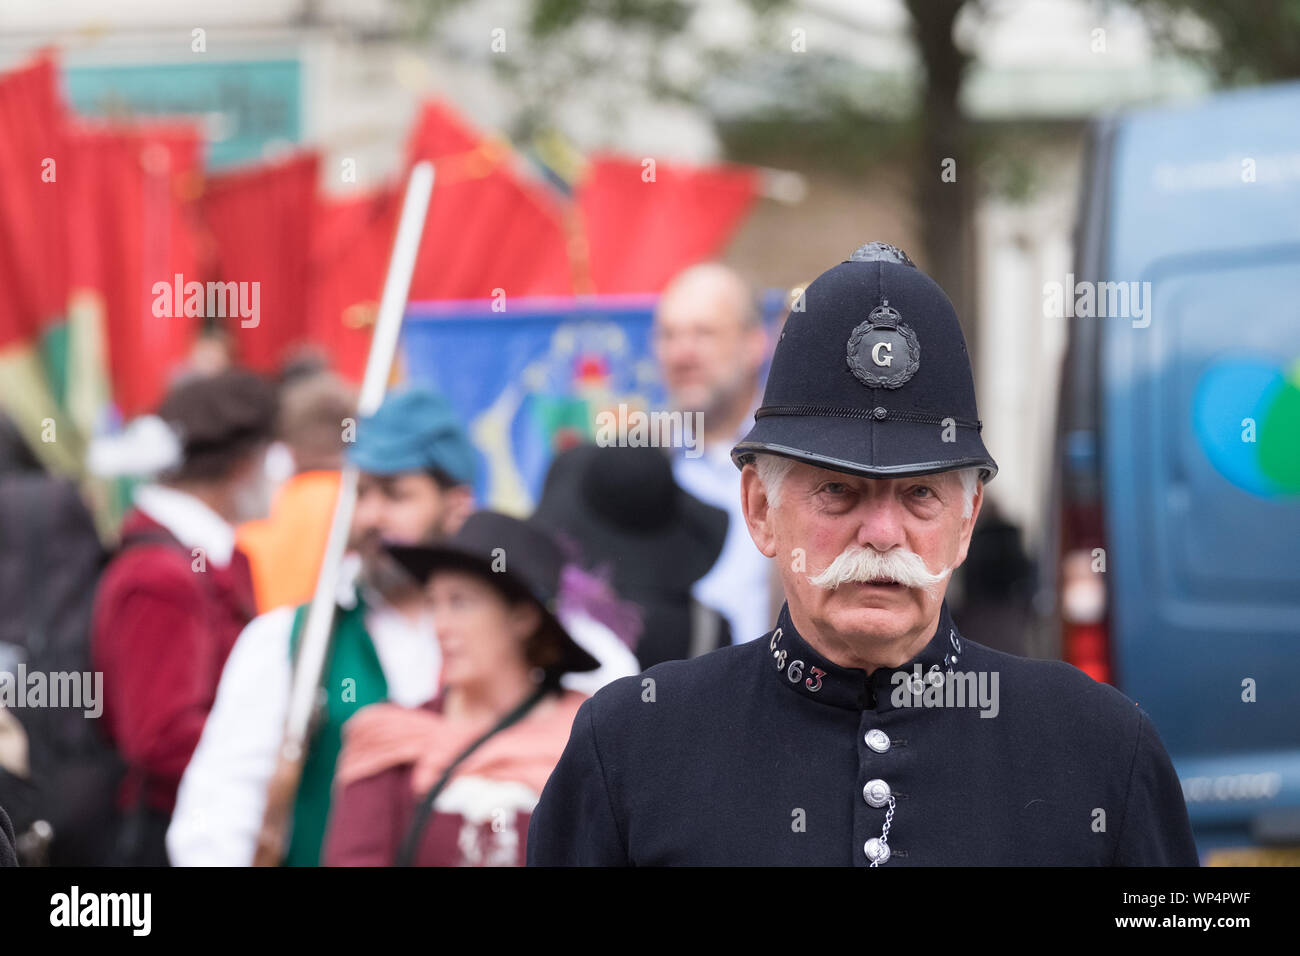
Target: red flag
x,y
262,222
641,233
492,228
131,191
486,229
489,228
31,202
350,253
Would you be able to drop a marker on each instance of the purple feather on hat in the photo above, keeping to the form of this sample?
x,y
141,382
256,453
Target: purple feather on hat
x,y
590,593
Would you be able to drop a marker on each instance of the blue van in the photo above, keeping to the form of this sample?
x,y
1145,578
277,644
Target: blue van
x,y
1175,509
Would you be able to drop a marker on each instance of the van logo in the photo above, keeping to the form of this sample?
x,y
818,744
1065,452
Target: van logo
x,y
1246,416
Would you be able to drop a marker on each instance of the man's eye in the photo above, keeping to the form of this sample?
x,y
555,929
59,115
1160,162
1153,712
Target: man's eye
x,y
923,491
835,487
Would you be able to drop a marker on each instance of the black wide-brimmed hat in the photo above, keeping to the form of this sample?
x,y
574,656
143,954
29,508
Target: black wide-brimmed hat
x,y
520,558
871,376
622,507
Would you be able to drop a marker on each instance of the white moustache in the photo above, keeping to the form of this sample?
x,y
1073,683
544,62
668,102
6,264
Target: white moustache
x,y
857,563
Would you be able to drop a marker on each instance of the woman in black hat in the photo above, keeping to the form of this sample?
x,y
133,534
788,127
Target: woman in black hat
x,y
453,782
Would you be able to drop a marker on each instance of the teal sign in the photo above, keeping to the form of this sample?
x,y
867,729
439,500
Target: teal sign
x,y
242,106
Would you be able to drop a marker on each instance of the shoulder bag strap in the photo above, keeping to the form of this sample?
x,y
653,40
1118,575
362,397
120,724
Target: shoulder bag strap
x,y
406,852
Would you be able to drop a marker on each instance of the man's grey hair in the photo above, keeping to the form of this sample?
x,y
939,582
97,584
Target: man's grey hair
x,y
773,469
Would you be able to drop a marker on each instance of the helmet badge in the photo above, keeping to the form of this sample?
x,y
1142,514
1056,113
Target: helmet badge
x,y
883,351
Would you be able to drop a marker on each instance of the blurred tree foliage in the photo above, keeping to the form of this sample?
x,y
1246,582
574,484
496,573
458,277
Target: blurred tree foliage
x,y
833,113
822,109
1251,42
609,49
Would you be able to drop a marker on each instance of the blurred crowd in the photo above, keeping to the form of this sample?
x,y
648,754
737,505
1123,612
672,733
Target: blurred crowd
x,y
463,640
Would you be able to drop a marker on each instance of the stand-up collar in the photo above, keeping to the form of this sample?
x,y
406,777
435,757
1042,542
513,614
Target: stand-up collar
x,y
794,662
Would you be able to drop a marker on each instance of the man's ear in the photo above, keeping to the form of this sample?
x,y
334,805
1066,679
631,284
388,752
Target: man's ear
x,y
968,524
251,467
458,504
758,511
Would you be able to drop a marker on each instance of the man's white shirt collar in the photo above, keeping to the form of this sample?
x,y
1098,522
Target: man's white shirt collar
x,y
192,522
349,583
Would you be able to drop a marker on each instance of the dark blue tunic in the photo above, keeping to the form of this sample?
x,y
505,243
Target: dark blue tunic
x,y
766,753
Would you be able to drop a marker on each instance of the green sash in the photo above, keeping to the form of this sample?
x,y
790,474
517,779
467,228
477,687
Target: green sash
x,y
353,679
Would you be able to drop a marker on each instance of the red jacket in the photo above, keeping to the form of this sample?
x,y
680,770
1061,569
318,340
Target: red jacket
x,y
160,635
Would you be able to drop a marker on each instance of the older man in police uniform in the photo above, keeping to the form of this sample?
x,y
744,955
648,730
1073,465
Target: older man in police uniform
x,y
863,730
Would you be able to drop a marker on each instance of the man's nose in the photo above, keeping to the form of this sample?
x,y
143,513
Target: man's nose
x,y
880,523
679,352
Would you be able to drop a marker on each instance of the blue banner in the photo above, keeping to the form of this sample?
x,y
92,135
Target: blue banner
x,y
530,381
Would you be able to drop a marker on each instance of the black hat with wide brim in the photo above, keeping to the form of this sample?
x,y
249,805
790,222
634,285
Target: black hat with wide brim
x,y
623,507
518,557
871,377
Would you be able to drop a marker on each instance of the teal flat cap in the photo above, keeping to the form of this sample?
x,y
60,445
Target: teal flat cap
x,y
414,430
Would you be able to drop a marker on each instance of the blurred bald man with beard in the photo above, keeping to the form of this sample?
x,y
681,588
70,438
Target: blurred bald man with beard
x,y
710,345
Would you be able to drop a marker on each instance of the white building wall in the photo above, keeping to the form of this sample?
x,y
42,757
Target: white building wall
x,y
1017,371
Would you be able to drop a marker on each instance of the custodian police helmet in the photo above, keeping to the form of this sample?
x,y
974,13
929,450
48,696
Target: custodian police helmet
x,y
871,376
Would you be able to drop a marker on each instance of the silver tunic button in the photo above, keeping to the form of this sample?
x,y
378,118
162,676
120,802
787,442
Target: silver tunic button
x,y
878,740
876,792
876,850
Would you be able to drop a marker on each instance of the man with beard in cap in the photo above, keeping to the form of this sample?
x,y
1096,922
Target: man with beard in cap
x,y
863,729
417,471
